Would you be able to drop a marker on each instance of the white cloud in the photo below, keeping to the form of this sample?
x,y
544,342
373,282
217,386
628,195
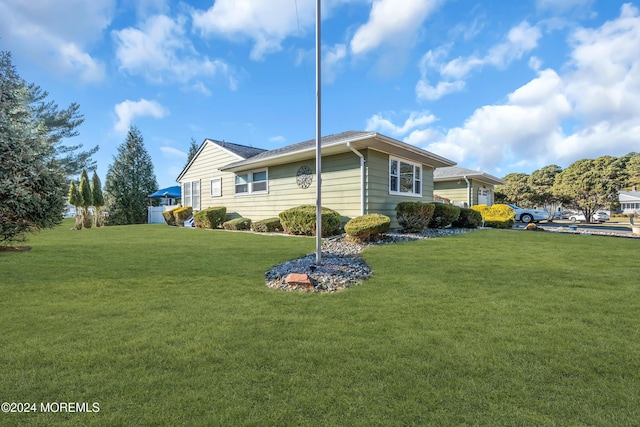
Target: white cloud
x,y
332,62
277,138
172,153
590,109
561,6
267,24
391,22
520,40
42,30
416,119
160,51
128,110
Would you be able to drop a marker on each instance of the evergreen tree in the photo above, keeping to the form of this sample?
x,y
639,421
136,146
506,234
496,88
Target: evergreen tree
x,y
516,190
591,184
62,124
129,180
98,198
32,183
86,199
193,149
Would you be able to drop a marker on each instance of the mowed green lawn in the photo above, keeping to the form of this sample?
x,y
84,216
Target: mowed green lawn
x,y
166,326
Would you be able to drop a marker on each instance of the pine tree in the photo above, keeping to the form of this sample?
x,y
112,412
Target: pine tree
x,y
86,199
129,180
98,198
193,150
32,183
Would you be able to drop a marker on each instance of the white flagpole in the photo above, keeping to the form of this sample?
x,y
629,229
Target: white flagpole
x,y
318,142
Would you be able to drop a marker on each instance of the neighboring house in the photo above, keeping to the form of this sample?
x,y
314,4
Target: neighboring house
x,y
465,187
362,172
629,201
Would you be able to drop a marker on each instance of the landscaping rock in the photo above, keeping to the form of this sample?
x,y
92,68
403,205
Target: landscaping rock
x,y
342,266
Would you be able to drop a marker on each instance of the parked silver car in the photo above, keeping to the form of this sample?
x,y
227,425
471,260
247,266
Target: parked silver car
x,y
599,216
529,215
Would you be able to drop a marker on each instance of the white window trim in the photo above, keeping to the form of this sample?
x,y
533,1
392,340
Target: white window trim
x,y
413,186
250,182
217,186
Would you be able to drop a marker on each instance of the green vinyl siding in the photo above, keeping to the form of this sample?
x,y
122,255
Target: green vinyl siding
x,y
378,198
456,190
452,190
340,189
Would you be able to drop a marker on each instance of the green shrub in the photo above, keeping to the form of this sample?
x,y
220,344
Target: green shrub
x,y
468,218
366,226
210,218
443,215
301,220
182,214
237,224
269,225
169,217
414,216
496,216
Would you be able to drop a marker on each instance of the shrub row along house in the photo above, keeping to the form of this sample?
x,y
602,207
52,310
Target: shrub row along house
x,y
362,172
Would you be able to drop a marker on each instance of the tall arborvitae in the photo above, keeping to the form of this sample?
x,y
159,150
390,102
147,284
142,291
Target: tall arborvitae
x,y
98,198
86,199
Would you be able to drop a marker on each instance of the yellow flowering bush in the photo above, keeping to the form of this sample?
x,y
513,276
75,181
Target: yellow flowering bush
x,y
496,216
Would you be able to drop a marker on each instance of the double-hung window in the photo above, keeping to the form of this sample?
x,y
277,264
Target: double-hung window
x,y
216,187
254,182
405,178
191,194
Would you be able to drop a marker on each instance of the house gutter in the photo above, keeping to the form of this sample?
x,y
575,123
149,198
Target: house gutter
x,y
362,177
468,190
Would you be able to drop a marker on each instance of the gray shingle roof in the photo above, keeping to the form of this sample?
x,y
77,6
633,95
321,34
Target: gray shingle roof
x,y
241,150
453,172
300,146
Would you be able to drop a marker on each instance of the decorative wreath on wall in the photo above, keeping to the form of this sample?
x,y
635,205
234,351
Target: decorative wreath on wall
x,y
304,176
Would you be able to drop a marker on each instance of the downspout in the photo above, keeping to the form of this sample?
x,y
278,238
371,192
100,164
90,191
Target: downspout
x,y
468,191
362,177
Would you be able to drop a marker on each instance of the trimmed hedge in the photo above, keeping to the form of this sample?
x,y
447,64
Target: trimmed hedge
x,y
414,216
496,216
169,217
210,218
366,226
444,215
468,218
269,225
301,220
237,224
182,214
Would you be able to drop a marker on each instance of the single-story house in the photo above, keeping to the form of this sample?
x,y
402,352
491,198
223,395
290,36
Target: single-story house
x,y
362,172
465,187
629,201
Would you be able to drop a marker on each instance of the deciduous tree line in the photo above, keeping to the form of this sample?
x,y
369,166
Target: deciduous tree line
x,y
587,185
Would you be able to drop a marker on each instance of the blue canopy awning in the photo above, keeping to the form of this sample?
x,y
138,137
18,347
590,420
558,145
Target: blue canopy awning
x,y
169,192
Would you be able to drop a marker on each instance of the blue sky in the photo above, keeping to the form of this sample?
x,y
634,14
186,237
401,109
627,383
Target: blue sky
x,y
499,86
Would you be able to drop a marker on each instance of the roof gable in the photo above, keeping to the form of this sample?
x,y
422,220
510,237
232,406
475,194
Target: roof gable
x,y
629,196
452,173
240,151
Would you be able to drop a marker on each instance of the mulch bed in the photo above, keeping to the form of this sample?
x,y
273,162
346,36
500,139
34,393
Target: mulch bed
x,y
15,248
